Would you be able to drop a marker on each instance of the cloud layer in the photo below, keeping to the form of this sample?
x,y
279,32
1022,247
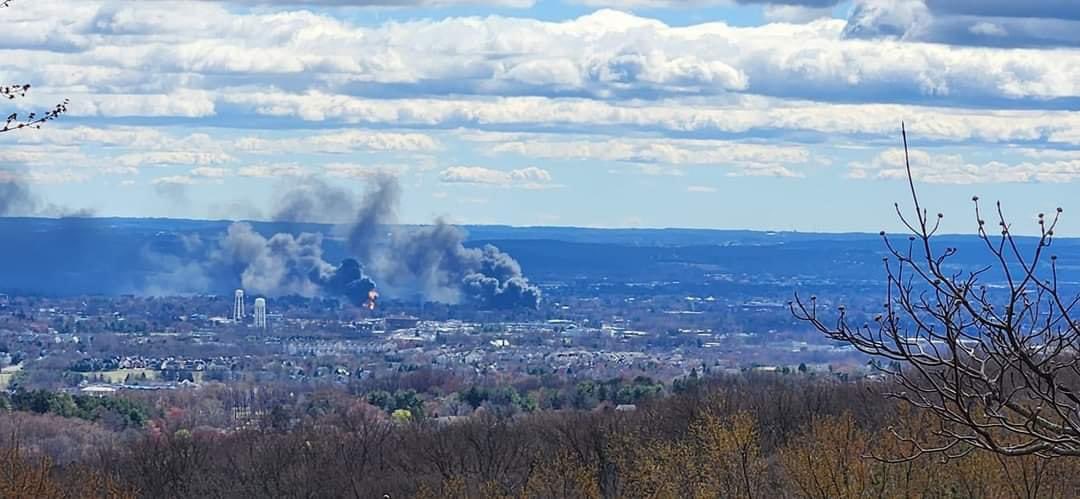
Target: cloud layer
x,y
197,101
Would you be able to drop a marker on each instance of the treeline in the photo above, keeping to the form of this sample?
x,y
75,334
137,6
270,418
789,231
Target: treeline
x,y
114,413
748,436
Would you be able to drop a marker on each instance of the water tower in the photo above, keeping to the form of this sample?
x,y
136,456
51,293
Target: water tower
x,y
238,306
260,313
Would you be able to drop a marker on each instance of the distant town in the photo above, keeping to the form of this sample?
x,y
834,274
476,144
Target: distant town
x,y
99,345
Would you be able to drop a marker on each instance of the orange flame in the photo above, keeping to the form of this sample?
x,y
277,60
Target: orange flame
x,y
372,296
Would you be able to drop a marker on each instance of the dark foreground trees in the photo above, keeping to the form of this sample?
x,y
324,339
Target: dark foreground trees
x,y
762,436
27,476
991,352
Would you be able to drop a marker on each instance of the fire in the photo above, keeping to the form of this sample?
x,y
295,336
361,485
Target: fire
x,y
372,297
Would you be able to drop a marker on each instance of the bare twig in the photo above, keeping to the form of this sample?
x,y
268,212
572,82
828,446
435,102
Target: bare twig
x,y
999,370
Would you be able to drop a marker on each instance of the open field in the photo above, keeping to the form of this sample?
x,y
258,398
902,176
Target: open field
x,y
120,375
7,374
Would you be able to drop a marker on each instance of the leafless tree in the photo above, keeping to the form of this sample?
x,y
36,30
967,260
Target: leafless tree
x,y
991,352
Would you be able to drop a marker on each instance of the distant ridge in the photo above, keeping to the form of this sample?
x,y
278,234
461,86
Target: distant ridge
x,y
661,236
118,255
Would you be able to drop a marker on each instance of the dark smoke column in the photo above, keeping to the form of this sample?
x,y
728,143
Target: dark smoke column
x,y
499,283
433,260
281,265
347,280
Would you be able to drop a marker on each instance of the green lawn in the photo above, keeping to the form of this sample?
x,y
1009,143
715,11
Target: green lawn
x,y
119,375
7,374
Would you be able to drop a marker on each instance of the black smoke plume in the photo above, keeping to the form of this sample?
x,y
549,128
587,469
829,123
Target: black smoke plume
x,y
500,283
285,264
430,260
433,259
347,280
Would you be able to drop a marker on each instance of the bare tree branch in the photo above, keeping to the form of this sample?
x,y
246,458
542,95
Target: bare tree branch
x,y
32,120
996,363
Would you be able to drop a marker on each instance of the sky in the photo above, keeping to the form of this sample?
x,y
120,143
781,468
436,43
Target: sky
x,y
604,113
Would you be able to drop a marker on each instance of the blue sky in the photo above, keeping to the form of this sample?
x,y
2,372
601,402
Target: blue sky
x,y
611,113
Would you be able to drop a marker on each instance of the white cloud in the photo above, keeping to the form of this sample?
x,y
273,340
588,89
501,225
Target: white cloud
x,y
677,116
56,176
382,3
664,156
117,170
1065,9
272,170
767,170
209,172
631,83
657,171
988,29
58,134
342,142
1051,154
1037,23
353,170
652,4
954,169
529,177
1066,135
184,104
46,155
159,158
795,13
669,151
173,180
154,59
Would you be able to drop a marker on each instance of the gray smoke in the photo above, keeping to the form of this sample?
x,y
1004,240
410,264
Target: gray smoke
x,y
433,259
280,265
377,211
240,209
287,265
500,282
176,194
430,260
313,200
347,280
17,198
